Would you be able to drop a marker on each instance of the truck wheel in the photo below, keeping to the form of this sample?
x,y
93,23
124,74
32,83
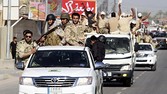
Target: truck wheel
x,y
153,68
128,82
101,90
96,92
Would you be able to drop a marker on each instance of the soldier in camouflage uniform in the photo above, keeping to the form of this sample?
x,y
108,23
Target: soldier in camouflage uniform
x,y
53,38
57,36
65,18
147,38
84,20
139,37
25,47
103,23
74,33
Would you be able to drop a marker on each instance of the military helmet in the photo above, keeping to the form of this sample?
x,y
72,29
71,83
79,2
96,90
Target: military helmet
x,y
102,38
65,16
50,17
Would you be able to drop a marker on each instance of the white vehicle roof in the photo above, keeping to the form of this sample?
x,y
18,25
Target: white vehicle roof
x,y
110,35
62,48
159,38
145,44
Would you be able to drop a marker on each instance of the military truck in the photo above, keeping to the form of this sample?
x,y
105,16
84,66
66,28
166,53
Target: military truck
x,y
119,58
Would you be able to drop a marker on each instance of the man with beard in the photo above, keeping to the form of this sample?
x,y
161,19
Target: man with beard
x,y
25,47
74,33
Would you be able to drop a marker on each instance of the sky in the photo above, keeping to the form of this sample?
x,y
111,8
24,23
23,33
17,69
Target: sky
x,y
152,6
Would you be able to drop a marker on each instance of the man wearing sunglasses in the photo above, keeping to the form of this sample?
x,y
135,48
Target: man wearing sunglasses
x,y
25,47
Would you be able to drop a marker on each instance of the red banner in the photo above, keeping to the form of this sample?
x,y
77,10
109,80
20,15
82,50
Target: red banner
x,y
70,6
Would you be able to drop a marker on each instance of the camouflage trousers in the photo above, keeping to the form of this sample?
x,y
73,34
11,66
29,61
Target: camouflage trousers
x,y
103,31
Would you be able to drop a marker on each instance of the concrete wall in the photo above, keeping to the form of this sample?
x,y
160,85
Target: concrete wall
x,y
3,41
26,24
17,31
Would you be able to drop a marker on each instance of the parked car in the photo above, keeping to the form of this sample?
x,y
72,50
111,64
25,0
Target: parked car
x,y
146,56
61,70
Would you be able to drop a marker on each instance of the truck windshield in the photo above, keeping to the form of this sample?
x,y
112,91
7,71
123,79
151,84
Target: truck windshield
x,y
145,47
117,45
59,58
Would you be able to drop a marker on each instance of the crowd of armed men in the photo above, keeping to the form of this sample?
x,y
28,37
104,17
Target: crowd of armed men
x,y
73,28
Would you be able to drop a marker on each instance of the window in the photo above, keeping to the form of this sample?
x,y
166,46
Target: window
x,y
117,45
145,47
59,58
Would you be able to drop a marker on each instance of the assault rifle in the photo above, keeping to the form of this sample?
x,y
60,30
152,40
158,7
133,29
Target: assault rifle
x,y
47,33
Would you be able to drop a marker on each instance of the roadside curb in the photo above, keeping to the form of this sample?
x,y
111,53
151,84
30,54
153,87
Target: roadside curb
x,y
9,73
7,64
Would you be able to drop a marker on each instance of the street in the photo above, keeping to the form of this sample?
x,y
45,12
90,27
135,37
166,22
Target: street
x,y
145,81
9,86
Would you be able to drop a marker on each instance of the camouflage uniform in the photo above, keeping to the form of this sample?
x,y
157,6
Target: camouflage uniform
x,y
22,48
124,24
62,33
138,25
74,34
147,39
84,22
139,39
102,24
91,29
154,43
113,24
55,37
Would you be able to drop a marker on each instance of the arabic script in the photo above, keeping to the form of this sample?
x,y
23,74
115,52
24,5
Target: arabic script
x,y
71,6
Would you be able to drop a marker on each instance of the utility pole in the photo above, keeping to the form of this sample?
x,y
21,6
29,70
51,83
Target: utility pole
x,y
136,11
46,13
8,30
114,7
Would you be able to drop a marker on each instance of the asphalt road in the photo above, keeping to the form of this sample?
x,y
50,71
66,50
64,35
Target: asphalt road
x,y
145,81
9,86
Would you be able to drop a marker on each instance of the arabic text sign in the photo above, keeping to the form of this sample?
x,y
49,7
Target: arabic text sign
x,y
69,6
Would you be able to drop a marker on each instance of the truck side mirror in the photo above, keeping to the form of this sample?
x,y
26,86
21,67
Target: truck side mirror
x,y
136,47
155,50
99,65
20,65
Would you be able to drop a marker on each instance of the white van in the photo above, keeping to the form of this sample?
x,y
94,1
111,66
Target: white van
x,y
61,70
